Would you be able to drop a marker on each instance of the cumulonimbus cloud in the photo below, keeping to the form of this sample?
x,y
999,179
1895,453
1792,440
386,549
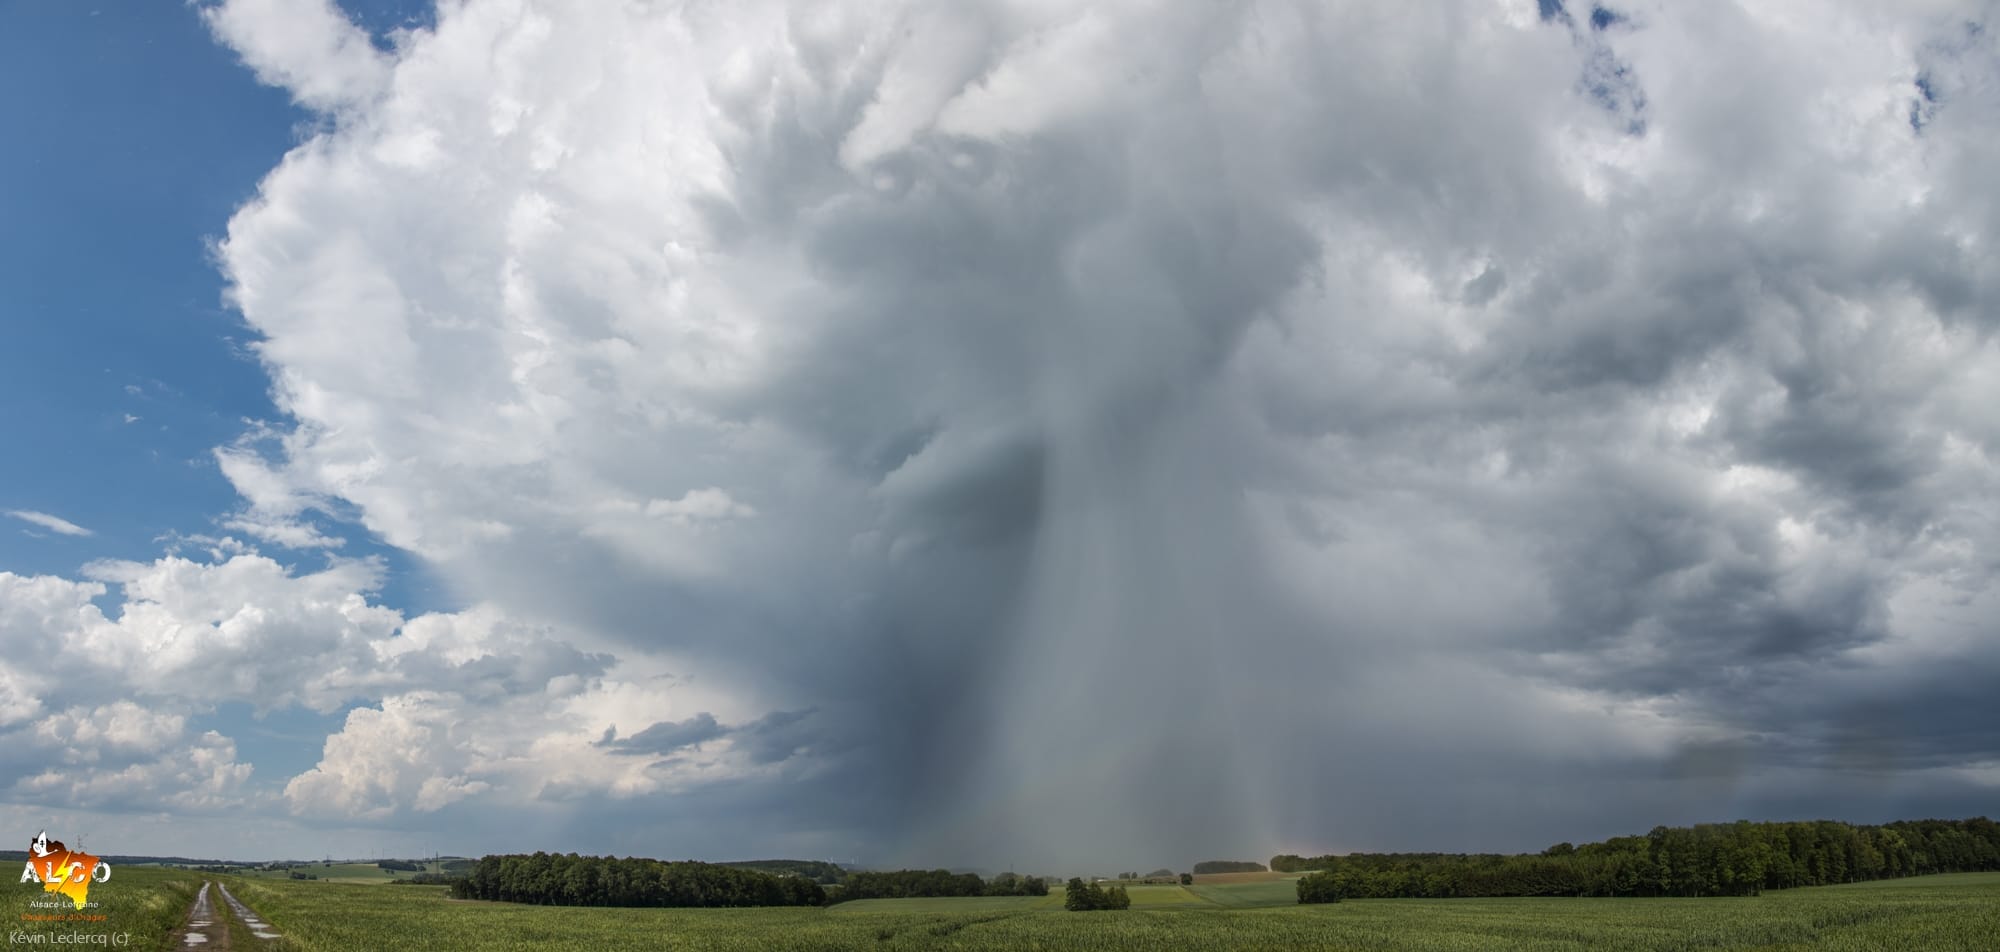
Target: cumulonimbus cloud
x,y
1322,414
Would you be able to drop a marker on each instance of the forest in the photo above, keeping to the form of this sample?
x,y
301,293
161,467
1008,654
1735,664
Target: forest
x,y
1729,859
557,879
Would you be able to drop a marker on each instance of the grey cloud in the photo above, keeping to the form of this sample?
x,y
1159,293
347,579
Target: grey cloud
x,y
770,739
778,735
666,737
1482,289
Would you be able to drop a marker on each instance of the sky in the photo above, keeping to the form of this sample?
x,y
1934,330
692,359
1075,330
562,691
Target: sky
x,y
996,434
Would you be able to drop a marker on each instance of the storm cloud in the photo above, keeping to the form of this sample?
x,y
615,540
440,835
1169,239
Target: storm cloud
x,y
1137,433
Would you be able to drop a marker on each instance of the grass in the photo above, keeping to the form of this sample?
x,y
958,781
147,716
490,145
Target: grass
x,y
145,902
239,931
1249,892
1938,912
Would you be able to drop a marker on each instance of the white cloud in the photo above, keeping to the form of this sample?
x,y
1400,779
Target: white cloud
x,y
289,533
423,750
273,510
122,726
201,776
246,628
121,756
699,505
54,524
18,702
453,705
400,755
307,46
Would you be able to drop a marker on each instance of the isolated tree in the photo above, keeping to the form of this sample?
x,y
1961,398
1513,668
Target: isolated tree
x,y
1079,896
1187,879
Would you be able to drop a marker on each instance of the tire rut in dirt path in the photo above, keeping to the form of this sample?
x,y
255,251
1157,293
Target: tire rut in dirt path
x,y
204,929
258,927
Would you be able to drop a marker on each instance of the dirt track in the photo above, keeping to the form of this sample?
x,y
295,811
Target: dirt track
x,y
204,929
207,931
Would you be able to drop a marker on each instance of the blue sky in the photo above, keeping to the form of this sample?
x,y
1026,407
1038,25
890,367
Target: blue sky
x,y
137,136
1484,430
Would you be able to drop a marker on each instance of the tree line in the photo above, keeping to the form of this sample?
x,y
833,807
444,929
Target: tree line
x,y
425,879
1712,859
917,883
567,879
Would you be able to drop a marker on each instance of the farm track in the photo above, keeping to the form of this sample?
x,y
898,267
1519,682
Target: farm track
x,y
208,931
203,929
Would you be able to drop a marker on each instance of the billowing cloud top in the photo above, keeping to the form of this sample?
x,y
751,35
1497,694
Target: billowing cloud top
x,y
1135,429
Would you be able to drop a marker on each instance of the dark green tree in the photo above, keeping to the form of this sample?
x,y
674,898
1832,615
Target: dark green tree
x,y
1079,896
1319,887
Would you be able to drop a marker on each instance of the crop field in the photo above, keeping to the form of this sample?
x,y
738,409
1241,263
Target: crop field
x,y
1960,912
1155,897
1231,879
975,905
146,902
1274,891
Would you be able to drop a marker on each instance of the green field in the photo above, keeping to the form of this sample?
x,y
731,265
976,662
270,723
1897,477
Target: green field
x,y
145,902
1959,912
1275,892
